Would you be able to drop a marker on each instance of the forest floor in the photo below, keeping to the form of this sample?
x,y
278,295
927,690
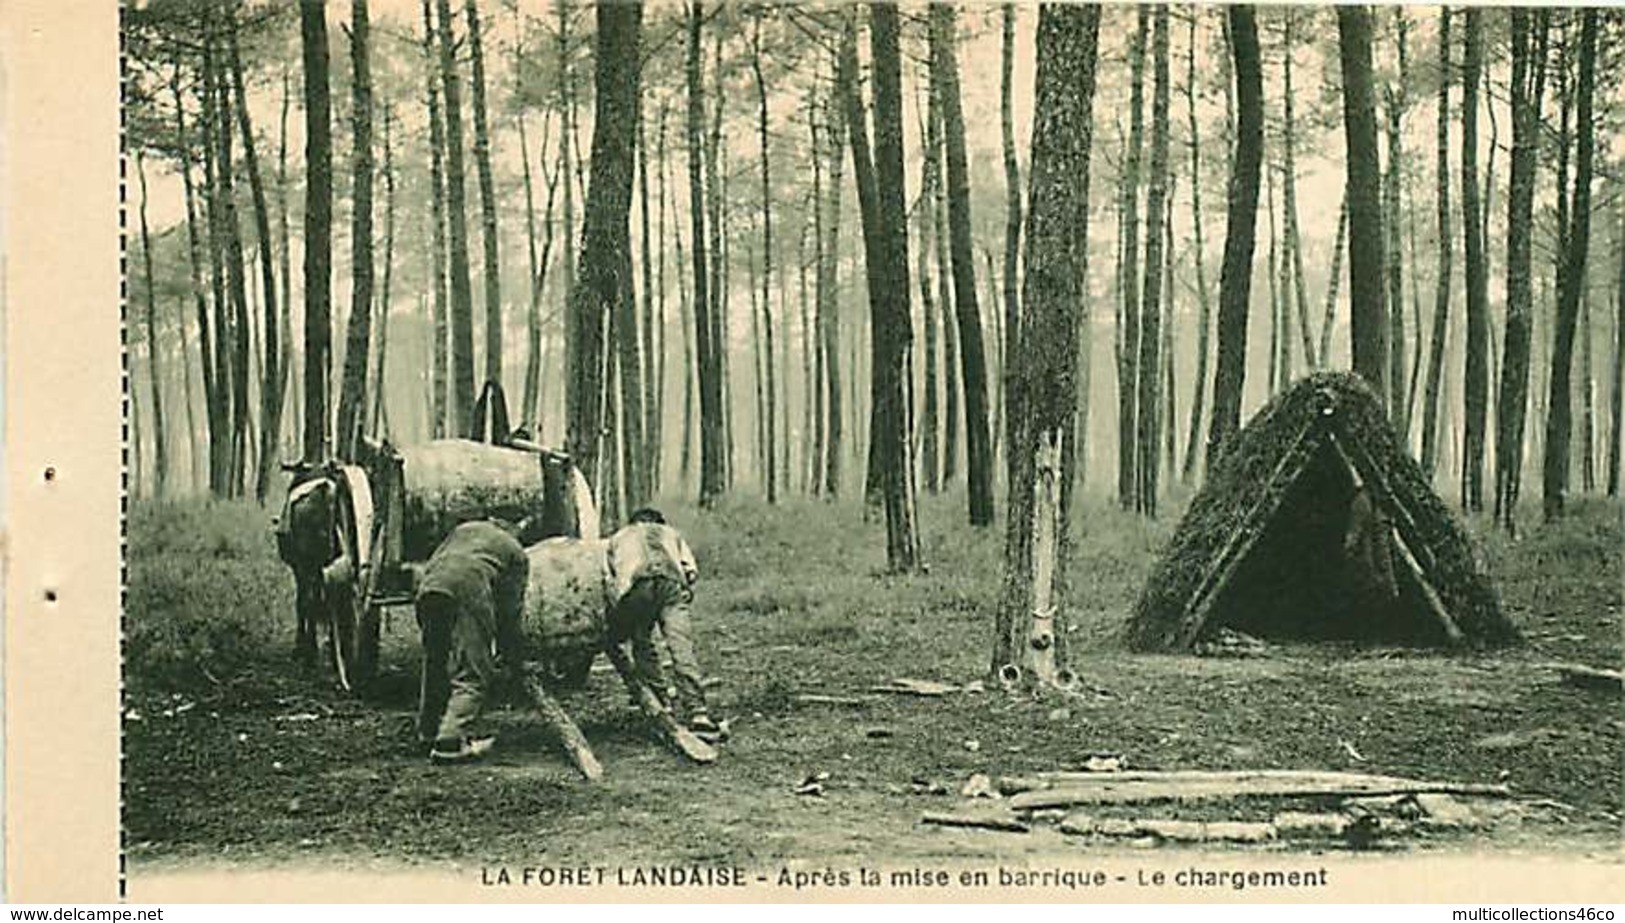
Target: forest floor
x,y
234,755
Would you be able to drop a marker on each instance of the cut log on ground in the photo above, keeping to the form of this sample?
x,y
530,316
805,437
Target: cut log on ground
x,y
981,821
1146,787
564,730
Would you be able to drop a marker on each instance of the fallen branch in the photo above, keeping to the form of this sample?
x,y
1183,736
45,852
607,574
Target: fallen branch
x,y
1003,822
812,698
1577,674
1144,787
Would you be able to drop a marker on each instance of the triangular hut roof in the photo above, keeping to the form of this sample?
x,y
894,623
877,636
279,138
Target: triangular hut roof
x,y
1303,454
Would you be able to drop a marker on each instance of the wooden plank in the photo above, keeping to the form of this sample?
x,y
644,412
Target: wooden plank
x,y
1576,674
666,726
568,735
1179,831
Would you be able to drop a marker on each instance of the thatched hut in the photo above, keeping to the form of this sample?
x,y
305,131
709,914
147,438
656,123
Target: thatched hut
x,y
1317,524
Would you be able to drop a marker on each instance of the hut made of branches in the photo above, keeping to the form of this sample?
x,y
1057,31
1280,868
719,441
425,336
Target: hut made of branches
x,y
1265,547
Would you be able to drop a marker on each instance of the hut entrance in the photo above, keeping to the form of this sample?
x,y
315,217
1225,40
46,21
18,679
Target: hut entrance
x,y
1326,568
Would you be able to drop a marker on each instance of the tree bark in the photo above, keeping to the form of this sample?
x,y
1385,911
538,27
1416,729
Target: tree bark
x,y
439,382
968,315
925,210
1028,626
379,418
1616,378
462,294
1395,105
1476,385
1528,79
771,425
1559,422
1150,369
318,239
270,390
708,371
1204,306
160,435
1368,302
1289,189
606,244
1012,227
1441,289
353,397
1129,350
829,316
893,328
1235,278
488,209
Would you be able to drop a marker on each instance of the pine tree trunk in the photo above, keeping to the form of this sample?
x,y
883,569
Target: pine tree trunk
x,y
1368,312
1235,277
771,420
829,316
1012,231
353,397
439,381
925,210
1616,378
971,353
1476,384
605,261
880,196
1028,624
1588,409
1395,105
462,294
1289,189
378,419
1333,279
199,302
318,237
1204,307
1559,421
1441,290
160,436
1272,279
1528,79
232,237
708,371
1129,349
567,169
270,392
1149,369
651,382
488,209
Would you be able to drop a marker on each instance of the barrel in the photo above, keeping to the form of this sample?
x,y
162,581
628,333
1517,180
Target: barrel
x,y
448,482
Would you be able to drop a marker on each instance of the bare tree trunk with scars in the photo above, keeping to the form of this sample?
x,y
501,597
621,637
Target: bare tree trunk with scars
x,y
606,240
1026,628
